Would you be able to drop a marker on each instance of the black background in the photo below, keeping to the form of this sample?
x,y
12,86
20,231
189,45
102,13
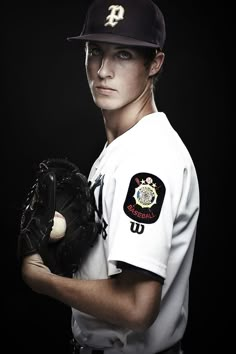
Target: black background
x,y
47,111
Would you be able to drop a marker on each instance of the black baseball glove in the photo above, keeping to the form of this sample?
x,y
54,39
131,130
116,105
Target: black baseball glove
x,y
59,187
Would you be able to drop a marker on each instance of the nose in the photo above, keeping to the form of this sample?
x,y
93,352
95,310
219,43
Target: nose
x,y
106,69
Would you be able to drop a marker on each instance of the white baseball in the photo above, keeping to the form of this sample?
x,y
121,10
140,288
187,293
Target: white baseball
x,y
59,227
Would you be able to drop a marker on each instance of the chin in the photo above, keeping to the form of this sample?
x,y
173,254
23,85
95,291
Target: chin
x,y
107,104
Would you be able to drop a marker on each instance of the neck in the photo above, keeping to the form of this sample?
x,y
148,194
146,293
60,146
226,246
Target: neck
x,y
120,120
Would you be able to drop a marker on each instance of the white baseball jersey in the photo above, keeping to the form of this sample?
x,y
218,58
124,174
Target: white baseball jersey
x,y
147,195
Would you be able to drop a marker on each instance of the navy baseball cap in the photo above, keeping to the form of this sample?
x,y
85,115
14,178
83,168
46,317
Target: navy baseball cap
x,y
128,22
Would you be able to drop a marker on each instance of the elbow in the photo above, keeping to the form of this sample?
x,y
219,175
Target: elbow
x,y
140,321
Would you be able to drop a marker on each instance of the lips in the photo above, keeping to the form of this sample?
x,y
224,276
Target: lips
x,y
104,90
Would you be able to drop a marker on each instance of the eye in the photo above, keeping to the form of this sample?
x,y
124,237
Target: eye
x,y
124,55
94,51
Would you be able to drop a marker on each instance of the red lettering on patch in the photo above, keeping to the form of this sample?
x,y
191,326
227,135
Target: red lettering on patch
x,y
139,214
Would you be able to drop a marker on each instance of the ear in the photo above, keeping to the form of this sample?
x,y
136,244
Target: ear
x,y
157,63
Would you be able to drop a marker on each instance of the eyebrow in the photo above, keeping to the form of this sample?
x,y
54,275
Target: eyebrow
x,y
124,47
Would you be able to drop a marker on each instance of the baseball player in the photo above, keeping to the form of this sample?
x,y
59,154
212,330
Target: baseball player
x,y
130,295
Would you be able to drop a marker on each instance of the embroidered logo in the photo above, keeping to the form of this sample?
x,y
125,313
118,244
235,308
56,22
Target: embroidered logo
x,y
116,14
144,198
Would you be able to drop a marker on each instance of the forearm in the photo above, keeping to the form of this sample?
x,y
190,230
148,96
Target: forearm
x,y
118,301
102,299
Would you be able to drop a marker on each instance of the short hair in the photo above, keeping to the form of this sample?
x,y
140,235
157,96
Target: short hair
x,y
149,55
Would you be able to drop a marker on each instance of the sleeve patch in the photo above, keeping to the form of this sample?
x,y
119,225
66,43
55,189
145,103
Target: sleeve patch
x,y
144,198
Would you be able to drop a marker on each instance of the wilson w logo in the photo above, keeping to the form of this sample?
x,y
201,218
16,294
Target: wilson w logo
x,y
136,228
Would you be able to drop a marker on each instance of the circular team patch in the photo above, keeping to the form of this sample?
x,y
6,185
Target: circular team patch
x,y
144,198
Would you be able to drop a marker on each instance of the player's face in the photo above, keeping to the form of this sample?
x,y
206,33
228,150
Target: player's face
x,y
116,74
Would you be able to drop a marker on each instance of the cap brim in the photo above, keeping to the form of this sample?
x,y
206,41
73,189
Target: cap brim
x,y
111,38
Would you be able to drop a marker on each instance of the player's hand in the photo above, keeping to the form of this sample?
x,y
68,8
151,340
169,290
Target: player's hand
x,y
59,189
